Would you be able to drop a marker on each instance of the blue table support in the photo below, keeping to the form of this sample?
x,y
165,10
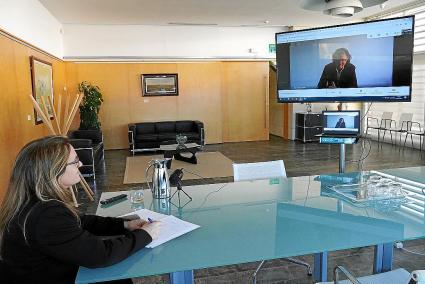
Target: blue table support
x,y
383,259
321,266
182,277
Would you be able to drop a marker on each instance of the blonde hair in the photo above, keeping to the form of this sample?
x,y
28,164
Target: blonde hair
x,y
35,174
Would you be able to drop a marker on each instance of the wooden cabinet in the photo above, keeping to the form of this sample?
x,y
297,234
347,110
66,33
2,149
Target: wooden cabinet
x,y
307,126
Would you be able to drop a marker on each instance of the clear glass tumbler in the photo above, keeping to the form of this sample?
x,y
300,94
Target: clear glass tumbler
x,y
137,196
396,190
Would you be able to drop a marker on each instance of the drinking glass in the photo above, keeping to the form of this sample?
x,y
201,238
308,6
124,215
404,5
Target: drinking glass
x,y
382,190
396,190
374,178
371,187
136,196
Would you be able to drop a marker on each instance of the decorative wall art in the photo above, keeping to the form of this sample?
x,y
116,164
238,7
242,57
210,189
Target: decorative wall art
x,y
160,85
42,84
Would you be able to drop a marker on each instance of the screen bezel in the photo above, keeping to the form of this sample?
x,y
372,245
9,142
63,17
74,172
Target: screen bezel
x,y
324,122
348,99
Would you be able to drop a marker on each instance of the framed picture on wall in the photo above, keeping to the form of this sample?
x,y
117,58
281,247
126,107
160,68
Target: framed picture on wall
x,y
42,84
155,85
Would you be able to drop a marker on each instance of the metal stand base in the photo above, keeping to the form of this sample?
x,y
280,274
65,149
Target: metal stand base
x,y
341,158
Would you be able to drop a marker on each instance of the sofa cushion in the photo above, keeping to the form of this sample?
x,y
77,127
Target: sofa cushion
x,y
165,127
94,135
81,143
146,137
167,136
147,145
184,126
192,136
145,127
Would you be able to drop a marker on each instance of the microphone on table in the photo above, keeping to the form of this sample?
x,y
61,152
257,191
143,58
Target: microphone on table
x,y
176,180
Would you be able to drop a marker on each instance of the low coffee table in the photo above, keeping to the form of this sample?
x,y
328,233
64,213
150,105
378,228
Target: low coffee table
x,y
176,150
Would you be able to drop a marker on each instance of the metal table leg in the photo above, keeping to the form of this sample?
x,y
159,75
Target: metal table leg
x,y
321,266
182,277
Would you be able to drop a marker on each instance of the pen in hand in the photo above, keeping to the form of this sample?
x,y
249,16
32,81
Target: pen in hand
x,y
152,228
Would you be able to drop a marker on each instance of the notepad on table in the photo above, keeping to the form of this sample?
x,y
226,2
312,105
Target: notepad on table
x,y
171,227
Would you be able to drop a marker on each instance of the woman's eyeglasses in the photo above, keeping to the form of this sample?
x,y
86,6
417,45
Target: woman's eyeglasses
x,y
75,162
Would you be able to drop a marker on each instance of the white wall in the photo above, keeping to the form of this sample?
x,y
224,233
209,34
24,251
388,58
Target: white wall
x,y
137,41
31,22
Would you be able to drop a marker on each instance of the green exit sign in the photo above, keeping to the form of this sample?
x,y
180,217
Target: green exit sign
x,y
272,48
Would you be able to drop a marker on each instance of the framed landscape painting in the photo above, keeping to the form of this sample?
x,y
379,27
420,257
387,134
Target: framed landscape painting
x,y
42,83
160,85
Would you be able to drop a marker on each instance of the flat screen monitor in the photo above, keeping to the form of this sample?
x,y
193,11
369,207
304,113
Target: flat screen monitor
x,y
370,61
341,122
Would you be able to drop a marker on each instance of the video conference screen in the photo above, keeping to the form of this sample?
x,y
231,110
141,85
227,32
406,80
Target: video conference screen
x,y
341,122
358,62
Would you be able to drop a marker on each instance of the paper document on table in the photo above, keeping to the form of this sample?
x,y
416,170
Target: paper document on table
x,y
171,227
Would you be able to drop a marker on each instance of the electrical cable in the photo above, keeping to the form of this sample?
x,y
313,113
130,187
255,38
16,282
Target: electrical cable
x,y
193,173
367,111
412,252
308,190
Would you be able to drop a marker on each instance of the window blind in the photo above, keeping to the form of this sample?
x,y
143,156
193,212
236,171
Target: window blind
x,y
417,105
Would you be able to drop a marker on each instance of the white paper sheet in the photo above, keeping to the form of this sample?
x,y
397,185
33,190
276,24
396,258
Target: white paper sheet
x,y
171,227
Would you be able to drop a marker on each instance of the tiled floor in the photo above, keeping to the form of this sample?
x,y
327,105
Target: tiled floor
x,y
300,159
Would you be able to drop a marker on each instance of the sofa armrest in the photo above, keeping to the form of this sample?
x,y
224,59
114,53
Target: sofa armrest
x,y
200,130
131,136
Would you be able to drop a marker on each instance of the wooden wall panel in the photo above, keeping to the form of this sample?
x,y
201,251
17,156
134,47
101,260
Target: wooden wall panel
x,y
114,112
202,88
276,109
150,108
245,101
201,97
15,82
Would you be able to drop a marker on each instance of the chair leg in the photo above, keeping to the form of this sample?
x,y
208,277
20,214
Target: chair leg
x,y
391,137
405,139
300,262
411,139
254,276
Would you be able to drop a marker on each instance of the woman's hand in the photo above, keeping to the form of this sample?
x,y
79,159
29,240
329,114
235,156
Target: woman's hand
x,y
153,229
136,224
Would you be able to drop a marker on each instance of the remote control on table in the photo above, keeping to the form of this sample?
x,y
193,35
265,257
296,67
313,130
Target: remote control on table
x,y
113,199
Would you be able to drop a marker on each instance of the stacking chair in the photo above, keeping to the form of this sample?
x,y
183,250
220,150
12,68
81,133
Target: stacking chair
x,y
415,129
264,170
404,125
397,276
383,125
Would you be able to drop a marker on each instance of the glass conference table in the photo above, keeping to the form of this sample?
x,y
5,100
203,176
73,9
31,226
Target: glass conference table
x,y
267,219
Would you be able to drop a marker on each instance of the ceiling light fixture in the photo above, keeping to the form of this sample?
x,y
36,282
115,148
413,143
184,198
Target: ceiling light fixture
x,y
342,8
339,8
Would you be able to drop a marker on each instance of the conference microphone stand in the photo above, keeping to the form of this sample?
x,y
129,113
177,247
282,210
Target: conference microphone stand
x,y
179,188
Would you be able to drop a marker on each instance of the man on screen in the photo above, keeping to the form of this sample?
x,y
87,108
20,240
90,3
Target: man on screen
x,y
340,73
340,123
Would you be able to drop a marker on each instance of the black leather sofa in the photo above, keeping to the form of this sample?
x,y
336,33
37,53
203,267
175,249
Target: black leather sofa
x,y
89,147
148,136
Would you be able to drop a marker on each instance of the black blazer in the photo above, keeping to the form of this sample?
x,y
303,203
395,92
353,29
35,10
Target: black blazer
x,y
347,79
58,243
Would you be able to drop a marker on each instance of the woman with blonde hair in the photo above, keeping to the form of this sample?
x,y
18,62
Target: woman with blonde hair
x,y
42,237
